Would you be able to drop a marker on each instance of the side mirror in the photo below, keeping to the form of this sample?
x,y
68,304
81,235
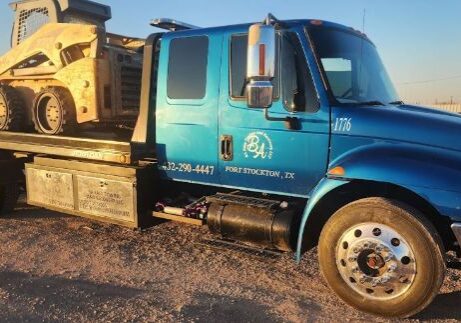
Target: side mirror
x,y
261,65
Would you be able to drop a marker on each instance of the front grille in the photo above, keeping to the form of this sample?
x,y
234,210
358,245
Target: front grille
x,y
131,87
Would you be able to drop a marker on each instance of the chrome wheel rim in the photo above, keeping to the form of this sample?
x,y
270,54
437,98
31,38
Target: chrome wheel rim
x,y
376,261
3,111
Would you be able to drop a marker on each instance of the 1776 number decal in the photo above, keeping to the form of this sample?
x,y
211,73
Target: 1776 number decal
x,y
343,125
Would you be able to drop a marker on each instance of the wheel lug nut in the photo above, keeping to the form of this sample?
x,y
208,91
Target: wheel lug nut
x,y
385,279
364,279
403,280
389,257
392,268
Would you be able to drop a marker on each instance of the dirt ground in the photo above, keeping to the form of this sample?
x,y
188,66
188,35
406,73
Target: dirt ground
x,y
57,268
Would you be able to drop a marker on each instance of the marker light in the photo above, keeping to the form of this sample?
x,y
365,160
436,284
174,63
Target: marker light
x,y
337,171
316,22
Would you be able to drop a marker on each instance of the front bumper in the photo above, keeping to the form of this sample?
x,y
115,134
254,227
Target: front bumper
x,y
456,227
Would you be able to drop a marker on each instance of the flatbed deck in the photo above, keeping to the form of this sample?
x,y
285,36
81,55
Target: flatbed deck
x,y
119,152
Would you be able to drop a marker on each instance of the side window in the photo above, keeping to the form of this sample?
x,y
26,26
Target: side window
x,y
339,73
298,90
238,68
187,68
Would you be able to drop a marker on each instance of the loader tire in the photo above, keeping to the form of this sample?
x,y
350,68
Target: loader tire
x,y
382,257
54,111
9,195
12,109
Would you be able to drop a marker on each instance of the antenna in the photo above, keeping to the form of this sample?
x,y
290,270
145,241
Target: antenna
x,y
270,19
364,19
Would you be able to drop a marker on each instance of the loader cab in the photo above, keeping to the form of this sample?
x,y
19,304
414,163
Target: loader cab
x,y
30,15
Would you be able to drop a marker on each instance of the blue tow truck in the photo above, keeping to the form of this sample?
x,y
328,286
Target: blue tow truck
x,y
280,135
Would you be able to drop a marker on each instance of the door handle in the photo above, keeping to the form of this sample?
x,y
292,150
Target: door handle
x,y
227,148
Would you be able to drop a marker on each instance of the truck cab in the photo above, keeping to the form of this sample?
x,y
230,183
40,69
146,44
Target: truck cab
x,y
334,118
207,132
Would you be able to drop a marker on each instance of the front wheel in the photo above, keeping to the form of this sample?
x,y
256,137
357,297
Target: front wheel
x,y
382,257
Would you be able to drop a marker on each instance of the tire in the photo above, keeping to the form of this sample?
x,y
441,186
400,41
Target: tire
x,y
9,195
54,111
382,257
12,109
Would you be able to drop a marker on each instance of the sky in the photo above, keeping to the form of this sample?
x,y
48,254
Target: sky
x,y
418,40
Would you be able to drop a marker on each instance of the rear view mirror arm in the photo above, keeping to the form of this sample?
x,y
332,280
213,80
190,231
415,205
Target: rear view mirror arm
x,y
291,123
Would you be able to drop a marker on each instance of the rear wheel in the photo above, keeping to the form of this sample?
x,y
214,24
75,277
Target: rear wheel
x,y
382,257
11,109
54,111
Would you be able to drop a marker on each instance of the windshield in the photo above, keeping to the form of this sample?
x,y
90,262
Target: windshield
x,y
353,67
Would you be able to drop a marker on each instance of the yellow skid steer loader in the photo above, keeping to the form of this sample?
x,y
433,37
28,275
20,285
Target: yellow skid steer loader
x,y
64,69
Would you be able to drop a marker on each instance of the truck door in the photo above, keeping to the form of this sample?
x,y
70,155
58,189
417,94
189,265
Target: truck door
x,y
262,154
187,106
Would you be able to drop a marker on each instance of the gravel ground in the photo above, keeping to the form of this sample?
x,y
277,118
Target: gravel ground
x,y
57,268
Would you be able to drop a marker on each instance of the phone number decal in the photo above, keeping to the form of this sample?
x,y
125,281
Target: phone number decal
x,y
188,168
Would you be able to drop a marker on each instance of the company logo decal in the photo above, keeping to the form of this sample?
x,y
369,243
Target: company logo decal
x,y
258,145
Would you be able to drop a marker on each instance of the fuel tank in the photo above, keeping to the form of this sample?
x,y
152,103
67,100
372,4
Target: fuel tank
x,y
271,228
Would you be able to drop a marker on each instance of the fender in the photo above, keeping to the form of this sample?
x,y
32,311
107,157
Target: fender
x,y
403,164
432,173
325,186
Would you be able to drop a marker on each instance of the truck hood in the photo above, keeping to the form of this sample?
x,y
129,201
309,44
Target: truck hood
x,y
404,123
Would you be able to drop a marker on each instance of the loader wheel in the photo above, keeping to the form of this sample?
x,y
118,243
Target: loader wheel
x,y
9,195
11,109
382,257
54,111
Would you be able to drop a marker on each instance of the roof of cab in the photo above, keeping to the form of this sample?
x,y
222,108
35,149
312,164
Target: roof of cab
x,y
290,23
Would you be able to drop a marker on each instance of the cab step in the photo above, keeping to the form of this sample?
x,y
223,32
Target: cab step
x,y
222,198
178,218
